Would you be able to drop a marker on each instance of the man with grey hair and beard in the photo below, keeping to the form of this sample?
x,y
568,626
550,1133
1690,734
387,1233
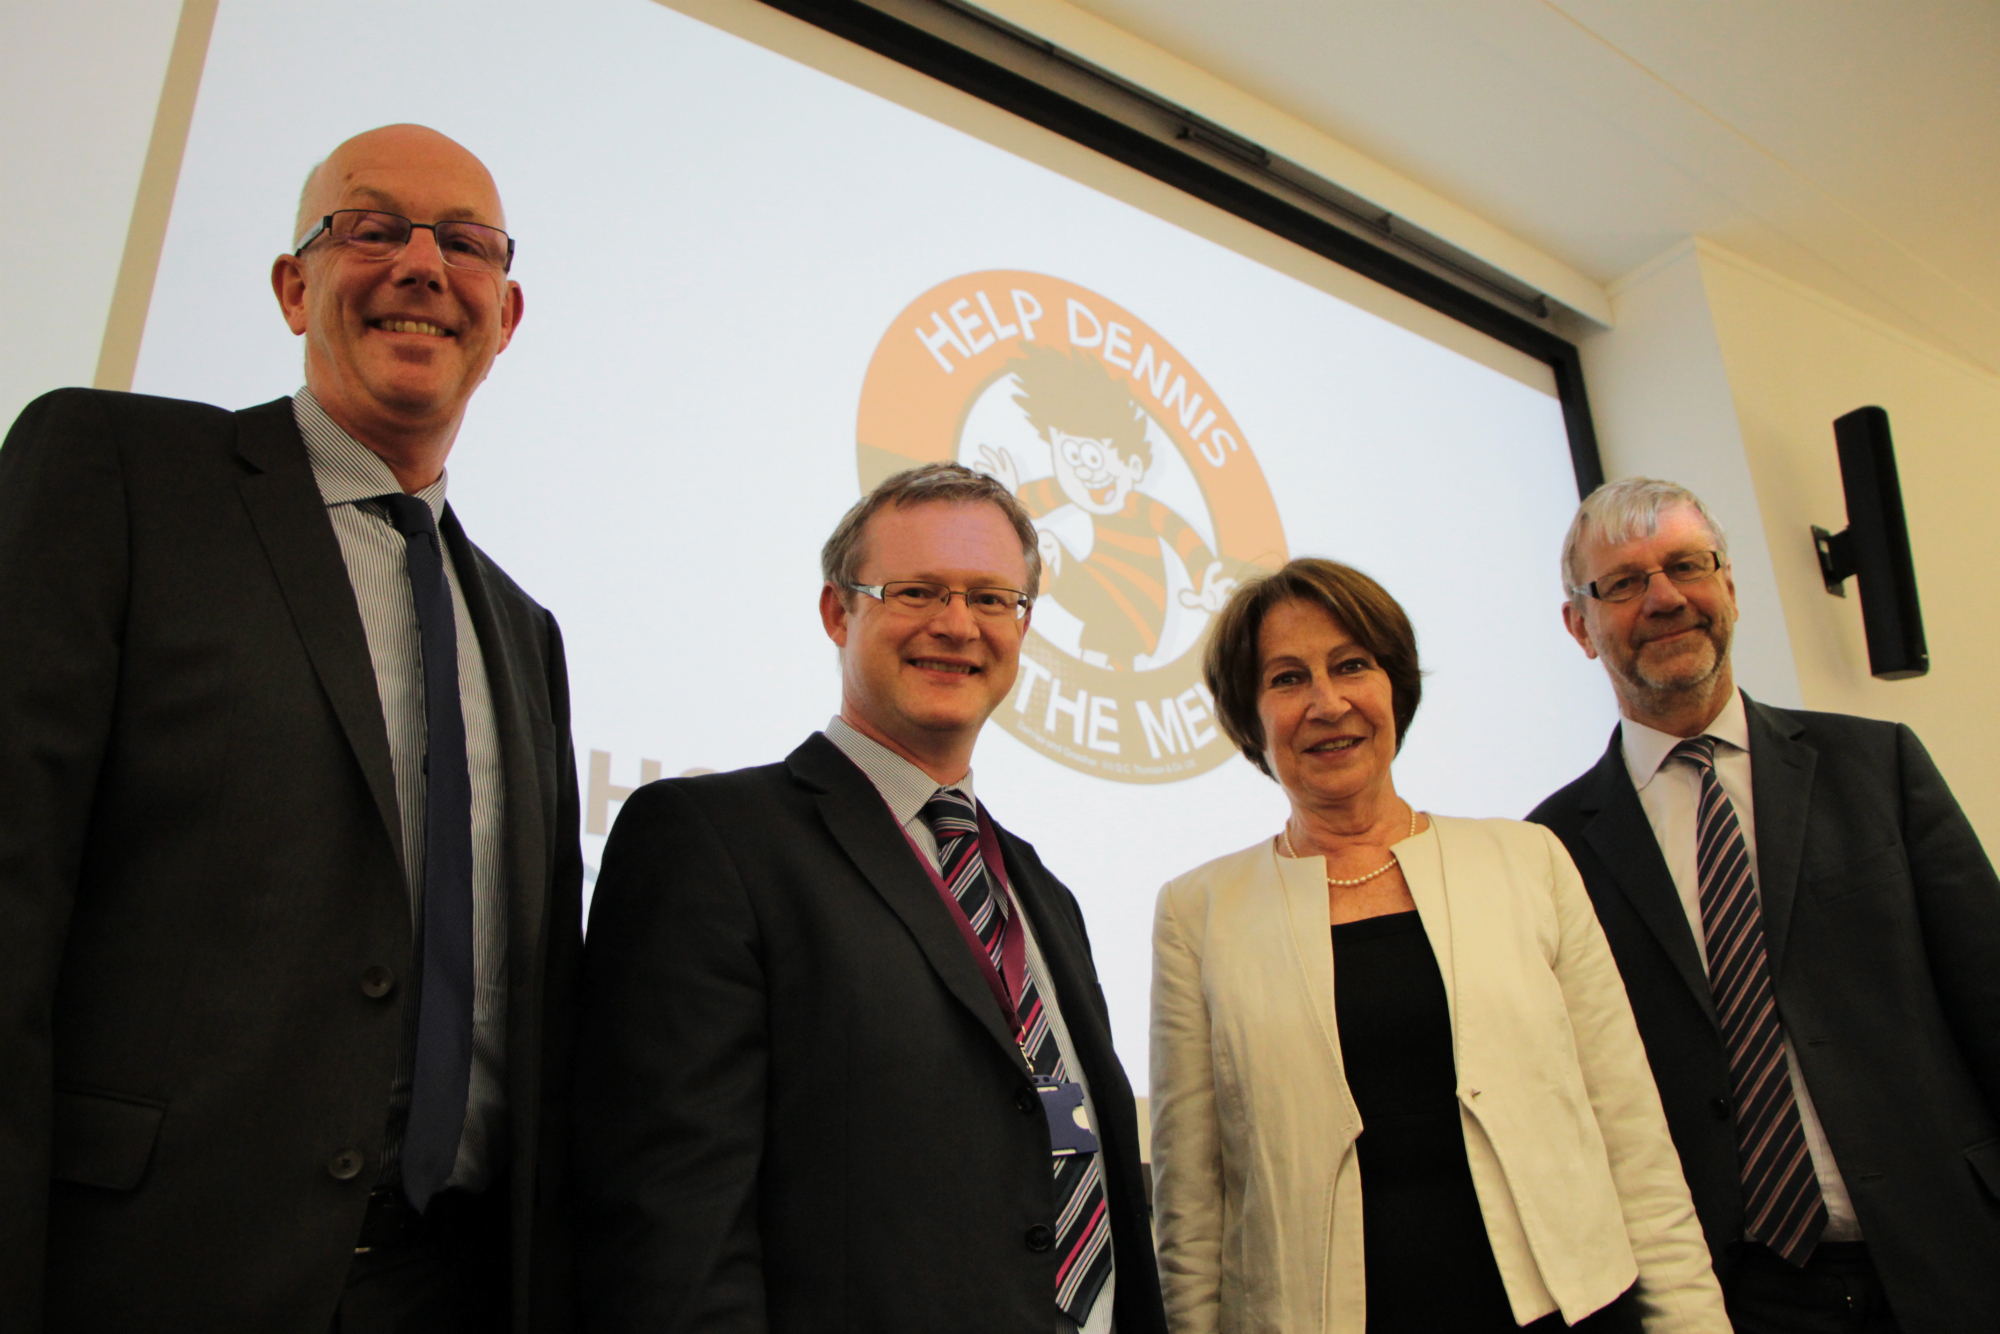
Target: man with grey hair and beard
x,y
1810,935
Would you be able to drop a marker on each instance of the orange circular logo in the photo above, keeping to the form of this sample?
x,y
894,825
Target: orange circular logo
x,y
1148,502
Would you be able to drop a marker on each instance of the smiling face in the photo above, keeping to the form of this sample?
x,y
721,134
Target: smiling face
x,y
1668,650
1326,706
395,347
1092,474
923,686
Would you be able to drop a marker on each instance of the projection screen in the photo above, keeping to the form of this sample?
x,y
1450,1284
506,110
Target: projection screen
x,y
762,270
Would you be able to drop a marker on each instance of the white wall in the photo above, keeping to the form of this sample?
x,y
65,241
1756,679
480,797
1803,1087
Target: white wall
x,y
79,84
1726,377
1795,361
1661,398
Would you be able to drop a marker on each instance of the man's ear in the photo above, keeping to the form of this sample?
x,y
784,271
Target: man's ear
x,y
510,315
288,283
1574,623
833,614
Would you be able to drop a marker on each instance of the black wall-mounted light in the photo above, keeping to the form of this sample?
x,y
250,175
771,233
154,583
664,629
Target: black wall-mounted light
x,y
1875,547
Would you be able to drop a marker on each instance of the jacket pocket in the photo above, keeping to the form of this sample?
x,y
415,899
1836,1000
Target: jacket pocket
x,y
1883,866
1985,1159
103,1139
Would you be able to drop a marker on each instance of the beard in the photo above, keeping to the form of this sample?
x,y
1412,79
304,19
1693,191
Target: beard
x,y
1688,669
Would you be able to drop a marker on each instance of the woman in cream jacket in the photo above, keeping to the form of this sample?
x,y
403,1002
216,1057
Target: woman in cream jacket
x,y
1522,1169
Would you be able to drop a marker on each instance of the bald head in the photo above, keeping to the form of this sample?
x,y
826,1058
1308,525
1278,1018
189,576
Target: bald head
x,y
383,155
398,334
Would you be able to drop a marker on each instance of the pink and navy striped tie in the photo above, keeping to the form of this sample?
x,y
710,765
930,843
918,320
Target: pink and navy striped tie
x,y
1083,1226
1782,1204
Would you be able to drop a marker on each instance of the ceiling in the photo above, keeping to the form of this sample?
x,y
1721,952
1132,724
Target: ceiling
x,y
1852,145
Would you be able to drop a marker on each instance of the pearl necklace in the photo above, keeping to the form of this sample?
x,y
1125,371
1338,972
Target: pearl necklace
x,y
1285,846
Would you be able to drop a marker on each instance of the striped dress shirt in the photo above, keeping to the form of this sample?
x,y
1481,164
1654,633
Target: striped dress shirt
x,y
906,788
350,476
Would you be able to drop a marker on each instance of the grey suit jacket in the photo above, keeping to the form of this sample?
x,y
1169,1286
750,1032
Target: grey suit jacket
x,y
1882,919
199,859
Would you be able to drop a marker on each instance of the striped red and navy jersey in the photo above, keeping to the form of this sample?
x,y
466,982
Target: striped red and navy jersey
x,y
1119,591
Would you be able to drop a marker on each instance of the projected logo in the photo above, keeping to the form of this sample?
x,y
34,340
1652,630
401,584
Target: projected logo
x,y
1149,505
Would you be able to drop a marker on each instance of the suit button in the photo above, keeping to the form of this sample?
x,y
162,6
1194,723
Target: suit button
x,y
1026,1100
345,1165
377,982
1040,1237
1719,1108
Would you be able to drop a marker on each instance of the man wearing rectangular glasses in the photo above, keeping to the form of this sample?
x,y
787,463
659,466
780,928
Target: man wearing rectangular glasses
x,y
289,877
1810,936
843,1062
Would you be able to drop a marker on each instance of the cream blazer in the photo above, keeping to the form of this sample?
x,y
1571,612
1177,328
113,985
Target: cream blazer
x,y
1257,1186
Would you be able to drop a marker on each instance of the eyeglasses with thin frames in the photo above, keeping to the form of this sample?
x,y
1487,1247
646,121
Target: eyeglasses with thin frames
x,y
376,235
1691,568
916,597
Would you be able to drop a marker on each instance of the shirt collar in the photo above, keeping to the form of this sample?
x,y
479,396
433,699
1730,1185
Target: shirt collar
x,y
903,785
347,471
1647,748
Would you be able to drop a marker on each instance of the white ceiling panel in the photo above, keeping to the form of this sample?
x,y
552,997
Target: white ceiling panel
x,y
1853,146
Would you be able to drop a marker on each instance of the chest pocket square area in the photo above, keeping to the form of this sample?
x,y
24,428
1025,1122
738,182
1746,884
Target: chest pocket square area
x,y
1870,871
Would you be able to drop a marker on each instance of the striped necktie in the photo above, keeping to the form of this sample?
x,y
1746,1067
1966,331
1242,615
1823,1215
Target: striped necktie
x,y
1781,1197
1083,1224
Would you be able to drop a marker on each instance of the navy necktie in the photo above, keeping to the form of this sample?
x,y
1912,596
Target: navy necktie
x,y
443,1068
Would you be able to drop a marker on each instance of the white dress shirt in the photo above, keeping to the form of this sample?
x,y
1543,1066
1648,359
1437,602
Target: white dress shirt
x,y
906,788
350,477
1670,794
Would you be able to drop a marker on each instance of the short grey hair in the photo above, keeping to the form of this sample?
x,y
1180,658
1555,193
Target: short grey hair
x,y
1622,510
931,484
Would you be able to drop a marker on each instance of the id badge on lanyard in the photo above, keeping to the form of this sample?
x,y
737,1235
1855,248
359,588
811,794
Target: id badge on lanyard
x,y
1062,1104
1062,1099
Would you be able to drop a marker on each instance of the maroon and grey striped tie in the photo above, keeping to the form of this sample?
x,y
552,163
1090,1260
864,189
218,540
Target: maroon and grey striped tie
x,y
1782,1205
1083,1226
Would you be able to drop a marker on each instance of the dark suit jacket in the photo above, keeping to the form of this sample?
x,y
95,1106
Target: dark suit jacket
x,y
1882,919
797,1105
200,856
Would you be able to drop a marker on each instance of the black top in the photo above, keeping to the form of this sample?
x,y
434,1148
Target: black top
x,y
1430,1267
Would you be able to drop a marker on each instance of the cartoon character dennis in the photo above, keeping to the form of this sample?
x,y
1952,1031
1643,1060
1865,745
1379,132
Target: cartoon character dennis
x,y
1100,535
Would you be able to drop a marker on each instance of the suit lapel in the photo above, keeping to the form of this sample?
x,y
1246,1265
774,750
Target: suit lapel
x,y
289,515
1062,953
861,824
1299,884
1781,778
1422,861
1616,827
1066,955
528,786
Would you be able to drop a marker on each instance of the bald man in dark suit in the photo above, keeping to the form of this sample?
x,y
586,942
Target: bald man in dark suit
x,y
289,877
